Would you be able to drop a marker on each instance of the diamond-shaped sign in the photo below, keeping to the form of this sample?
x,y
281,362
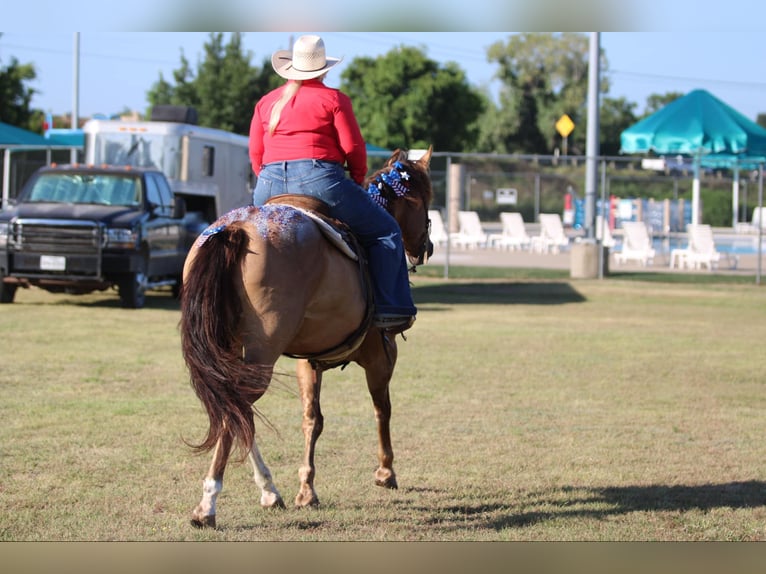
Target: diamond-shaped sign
x,y
564,125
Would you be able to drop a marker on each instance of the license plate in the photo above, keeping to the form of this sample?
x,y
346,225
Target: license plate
x,y
52,263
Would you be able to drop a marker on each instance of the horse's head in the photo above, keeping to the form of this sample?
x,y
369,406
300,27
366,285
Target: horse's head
x,y
403,188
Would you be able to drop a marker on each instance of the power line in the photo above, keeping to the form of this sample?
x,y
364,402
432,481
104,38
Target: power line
x,y
677,79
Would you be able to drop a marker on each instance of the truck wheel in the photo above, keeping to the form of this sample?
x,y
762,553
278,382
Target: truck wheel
x,y
7,291
132,289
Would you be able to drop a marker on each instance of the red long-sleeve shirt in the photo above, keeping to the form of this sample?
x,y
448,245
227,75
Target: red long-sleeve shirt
x,y
318,123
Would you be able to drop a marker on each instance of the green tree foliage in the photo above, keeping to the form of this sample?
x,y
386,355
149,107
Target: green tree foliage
x,y
615,115
16,95
405,100
223,89
543,77
657,101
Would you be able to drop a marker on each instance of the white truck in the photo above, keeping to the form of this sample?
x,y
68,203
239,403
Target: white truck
x,y
209,168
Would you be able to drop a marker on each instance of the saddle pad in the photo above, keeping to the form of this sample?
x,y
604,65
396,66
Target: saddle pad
x,y
331,233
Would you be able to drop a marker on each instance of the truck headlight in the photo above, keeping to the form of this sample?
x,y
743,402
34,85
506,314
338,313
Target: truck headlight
x,y
4,229
121,238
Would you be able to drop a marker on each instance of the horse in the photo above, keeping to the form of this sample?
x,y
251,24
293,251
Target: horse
x,y
270,281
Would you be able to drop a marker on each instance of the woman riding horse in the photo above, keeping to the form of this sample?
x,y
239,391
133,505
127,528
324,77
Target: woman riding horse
x,y
301,136
263,282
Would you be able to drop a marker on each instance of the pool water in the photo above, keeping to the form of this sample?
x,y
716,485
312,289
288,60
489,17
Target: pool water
x,y
734,244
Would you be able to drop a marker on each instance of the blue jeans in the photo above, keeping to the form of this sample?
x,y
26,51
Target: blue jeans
x,y
377,230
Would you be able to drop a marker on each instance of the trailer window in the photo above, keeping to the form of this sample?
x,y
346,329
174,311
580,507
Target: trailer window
x,y
208,160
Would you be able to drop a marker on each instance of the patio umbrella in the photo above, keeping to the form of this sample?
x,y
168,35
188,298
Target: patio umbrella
x,y
702,126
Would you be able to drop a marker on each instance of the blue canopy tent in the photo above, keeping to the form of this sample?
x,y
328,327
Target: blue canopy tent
x,y
13,138
703,127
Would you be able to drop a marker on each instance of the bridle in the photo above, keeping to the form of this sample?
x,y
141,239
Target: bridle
x,y
396,181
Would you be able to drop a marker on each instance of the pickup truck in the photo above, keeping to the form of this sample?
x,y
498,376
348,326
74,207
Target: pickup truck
x,y
78,229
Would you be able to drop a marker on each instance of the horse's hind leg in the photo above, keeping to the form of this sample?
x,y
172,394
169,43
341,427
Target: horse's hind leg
x,y
204,515
310,382
378,363
270,496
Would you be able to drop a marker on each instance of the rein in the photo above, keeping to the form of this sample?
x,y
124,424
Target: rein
x,y
397,180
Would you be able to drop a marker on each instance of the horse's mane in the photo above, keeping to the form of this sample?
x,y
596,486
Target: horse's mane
x,y
420,179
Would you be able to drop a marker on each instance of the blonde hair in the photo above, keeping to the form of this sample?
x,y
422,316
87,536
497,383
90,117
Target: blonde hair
x,y
288,94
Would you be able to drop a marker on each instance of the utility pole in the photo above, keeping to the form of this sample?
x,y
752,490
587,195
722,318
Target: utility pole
x,y
75,92
592,144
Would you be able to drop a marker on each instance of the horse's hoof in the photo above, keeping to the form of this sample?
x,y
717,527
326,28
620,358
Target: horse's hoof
x,y
386,478
203,522
306,500
276,502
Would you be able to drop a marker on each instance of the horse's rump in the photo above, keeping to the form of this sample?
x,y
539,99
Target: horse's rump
x,y
259,283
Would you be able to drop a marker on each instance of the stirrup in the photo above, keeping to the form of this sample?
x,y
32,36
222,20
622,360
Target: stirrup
x,y
393,323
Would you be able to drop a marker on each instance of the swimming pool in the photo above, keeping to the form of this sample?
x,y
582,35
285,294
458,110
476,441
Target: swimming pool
x,y
729,243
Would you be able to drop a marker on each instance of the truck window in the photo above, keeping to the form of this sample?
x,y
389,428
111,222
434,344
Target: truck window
x,y
159,193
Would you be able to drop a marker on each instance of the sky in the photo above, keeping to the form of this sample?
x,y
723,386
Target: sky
x,y
685,45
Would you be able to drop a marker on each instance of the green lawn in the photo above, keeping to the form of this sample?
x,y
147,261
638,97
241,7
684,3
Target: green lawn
x,y
526,407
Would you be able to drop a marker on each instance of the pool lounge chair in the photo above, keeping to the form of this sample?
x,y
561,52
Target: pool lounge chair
x,y
470,233
552,237
438,233
603,233
514,233
702,252
636,244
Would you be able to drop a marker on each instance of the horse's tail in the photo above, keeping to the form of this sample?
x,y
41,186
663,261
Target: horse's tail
x,y
211,311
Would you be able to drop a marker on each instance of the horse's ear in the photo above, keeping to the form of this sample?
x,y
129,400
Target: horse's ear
x,y
425,159
394,157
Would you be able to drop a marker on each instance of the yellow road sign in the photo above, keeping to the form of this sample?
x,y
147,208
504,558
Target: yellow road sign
x,y
564,125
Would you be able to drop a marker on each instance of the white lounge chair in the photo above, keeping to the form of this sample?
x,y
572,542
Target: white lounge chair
x,y
438,235
636,244
470,233
603,233
552,237
514,234
758,220
702,252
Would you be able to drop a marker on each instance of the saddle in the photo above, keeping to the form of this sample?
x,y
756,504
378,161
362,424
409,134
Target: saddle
x,y
341,237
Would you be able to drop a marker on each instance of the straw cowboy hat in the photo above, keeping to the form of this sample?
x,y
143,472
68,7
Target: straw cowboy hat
x,y
306,60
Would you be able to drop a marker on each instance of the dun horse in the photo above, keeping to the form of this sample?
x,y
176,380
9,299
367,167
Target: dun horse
x,y
263,282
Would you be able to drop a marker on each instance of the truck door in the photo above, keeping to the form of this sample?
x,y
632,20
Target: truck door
x,y
163,232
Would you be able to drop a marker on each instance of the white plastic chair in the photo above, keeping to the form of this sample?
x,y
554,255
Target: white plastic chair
x,y
514,233
438,233
636,244
470,233
603,232
552,237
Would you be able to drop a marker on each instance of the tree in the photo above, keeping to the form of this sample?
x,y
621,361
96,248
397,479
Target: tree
x,y
224,88
405,100
544,76
15,95
615,115
656,102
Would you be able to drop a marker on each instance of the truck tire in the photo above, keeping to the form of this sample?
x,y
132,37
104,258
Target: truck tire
x,y
7,291
132,289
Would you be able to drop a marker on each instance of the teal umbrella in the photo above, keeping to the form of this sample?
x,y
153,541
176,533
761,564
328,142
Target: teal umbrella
x,y
702,126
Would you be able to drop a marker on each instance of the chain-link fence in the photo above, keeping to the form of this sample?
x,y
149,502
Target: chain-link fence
x,y
531,184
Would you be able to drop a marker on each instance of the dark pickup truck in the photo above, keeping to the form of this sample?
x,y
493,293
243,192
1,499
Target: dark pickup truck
x,y
79,229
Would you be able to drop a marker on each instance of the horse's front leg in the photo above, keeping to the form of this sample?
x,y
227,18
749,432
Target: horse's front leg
x,y
204,515
309,382
378,358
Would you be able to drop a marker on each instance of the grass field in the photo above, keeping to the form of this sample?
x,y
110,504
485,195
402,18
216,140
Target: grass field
x,y
524,408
